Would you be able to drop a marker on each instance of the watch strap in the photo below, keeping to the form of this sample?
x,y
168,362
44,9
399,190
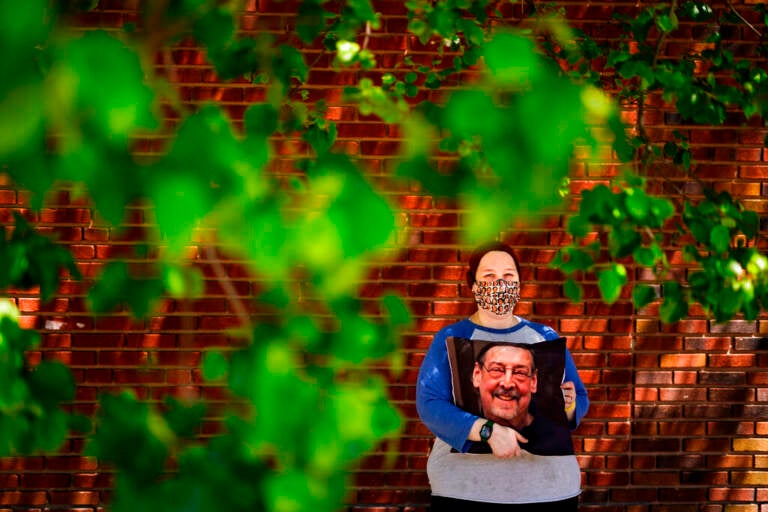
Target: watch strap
x,y
486,430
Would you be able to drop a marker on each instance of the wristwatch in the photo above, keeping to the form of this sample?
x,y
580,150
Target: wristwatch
x,y
486,430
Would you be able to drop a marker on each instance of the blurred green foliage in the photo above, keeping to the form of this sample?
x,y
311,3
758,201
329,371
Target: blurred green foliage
x,y
717,235
307,404
31,417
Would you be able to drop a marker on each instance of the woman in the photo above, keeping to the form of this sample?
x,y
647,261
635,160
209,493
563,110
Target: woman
x,y
510,478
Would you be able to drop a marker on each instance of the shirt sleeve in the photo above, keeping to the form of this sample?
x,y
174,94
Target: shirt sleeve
x,y
434,398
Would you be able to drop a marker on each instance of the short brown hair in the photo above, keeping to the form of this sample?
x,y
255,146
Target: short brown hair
x,y
478,253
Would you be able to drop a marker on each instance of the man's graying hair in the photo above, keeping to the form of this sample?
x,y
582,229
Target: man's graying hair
x,y
480,358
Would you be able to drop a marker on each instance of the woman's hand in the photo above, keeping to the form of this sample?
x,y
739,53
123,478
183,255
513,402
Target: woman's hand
x,y
569,396
505,442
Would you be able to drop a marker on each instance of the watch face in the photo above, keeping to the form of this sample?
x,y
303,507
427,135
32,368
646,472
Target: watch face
x,y
485,432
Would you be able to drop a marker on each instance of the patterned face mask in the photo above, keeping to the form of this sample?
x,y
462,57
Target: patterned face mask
x,y
498,297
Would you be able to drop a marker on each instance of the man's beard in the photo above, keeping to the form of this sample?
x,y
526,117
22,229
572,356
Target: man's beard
x,y
505,408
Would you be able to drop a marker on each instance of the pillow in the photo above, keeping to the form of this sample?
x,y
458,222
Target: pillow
x,y
549,434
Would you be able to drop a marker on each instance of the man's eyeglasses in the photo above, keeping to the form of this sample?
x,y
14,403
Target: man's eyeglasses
x,y
498,371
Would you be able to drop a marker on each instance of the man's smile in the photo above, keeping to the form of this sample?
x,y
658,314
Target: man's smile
x,y
507,396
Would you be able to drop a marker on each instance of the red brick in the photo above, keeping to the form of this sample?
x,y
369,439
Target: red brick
x,y
687,438
433,290
23,498
683,360
753,171
74,498
461,309
732,360
122,358
9,481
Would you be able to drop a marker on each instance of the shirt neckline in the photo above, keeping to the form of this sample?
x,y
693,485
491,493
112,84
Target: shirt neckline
x,y
503,330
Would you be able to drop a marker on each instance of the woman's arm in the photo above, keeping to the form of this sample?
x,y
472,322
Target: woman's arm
x,y
434,398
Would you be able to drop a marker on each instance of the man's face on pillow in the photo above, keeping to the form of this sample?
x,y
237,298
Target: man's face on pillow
x,y
506,380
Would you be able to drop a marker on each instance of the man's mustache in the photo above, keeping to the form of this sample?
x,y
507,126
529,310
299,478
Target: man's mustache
x,y
506,394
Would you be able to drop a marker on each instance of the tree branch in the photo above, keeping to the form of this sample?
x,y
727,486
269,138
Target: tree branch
x,y
226,284
744,20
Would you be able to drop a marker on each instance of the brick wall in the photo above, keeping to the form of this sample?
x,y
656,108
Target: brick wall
x,y
679,416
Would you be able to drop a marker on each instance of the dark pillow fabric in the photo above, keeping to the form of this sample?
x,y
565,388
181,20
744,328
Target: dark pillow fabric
x,y
549,434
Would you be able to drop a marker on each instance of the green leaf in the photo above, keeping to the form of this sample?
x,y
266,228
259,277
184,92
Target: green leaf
x,y
421,169
52,382
642,295
573,290
23,28
110,88
667,22
471,112
623,240
599,205
363,12
638,204
624,150
311,21
645,256
321,139
214,366
511,59
641,25
184,419
183,282
181,200
215,29
362,219
397,310
131,436
289,64
22,118
578,226
117,286
205,164
720,238
697,11
261,121
750,223
574,259
80,423
236,59
29,260
727,303
50,434
611,281
661,210
674,307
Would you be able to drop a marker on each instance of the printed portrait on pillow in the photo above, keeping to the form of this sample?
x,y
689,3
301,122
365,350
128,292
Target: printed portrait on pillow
x,y
514,384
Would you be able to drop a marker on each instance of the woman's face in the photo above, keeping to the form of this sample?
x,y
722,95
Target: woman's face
x,y
496,265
